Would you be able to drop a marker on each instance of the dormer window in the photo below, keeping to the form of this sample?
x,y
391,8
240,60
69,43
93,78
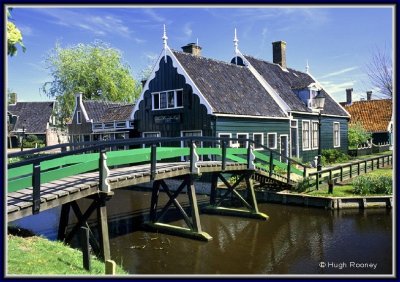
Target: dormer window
x,y
78,117
170,99
313,92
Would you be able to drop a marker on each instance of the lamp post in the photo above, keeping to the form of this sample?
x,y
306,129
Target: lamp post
x,y
318,104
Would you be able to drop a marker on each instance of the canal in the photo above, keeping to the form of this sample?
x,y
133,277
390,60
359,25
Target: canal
x,y
295,240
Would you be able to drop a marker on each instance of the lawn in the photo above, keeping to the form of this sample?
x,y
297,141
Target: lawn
x,y
38,256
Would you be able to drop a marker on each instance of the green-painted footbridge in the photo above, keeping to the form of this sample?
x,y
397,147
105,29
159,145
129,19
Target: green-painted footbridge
x,y
59,175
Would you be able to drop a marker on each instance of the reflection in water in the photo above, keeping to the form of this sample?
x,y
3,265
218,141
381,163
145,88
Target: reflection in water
x,y
294,241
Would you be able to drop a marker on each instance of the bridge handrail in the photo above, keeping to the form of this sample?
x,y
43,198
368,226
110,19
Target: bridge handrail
x,y
98,145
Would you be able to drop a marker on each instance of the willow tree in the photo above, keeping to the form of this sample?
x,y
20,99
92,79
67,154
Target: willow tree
x,y
96,70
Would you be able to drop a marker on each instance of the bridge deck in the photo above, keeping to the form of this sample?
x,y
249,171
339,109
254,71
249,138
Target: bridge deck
x,y
56,193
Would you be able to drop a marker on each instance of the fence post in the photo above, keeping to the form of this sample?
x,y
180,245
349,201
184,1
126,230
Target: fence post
x,y
288,171
36,188
271,163
153,161
365,166
223,161
85,247
341,174
317,184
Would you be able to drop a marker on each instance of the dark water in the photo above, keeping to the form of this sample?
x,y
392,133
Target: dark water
x,y
295,240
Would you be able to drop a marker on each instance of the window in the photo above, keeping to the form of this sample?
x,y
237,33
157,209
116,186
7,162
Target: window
x,y
171,99
271,140
315,135
168,100
163,100
226,135
78,117
306,135
336,134
258,139
241,141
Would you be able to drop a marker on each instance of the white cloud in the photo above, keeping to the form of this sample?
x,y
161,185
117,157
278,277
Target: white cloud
x,y
187,29
99,25
25,30
340,72
337,88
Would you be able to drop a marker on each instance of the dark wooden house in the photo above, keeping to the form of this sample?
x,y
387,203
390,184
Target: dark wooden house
x,y
94,120
246,98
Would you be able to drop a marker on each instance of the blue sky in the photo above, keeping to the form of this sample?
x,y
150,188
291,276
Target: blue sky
x,y
337,41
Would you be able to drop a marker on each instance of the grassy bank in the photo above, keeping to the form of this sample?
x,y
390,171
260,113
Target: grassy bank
x,y
39,256
346,189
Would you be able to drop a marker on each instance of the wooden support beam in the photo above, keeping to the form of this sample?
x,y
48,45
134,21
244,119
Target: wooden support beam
x,y
63,223
194,228
84,236
36,188
213,192
103,230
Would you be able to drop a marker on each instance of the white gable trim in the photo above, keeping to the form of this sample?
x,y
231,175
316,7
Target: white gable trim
x,y
85,115
167,52
281,103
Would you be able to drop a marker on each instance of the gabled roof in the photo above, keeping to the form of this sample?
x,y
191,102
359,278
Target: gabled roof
x,y
103,111
374,115
33,116
285,81
229,88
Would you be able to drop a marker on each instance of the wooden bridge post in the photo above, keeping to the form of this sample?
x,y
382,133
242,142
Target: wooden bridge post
x,y
154,200
193,204
103,224
288,172
271,163
103,172
36,188
62,226
223,161
213,192
153,161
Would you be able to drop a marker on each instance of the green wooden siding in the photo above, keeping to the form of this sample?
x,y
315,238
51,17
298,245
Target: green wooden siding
x,y
326,135
235,125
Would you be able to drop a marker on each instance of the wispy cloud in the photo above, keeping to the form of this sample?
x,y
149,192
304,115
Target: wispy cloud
x,y
154,16
340,72
187,29
104,25
337,88
25,30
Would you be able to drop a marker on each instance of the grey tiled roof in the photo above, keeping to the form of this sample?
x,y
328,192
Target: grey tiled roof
x,y
102,111
33,116
230,89
284,82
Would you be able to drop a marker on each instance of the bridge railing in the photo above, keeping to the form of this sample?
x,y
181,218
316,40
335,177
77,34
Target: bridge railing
x,y
349,170
36,168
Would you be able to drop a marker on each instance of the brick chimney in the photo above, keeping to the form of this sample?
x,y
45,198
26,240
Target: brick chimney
x,y
349,92
192,48
279,53
369,95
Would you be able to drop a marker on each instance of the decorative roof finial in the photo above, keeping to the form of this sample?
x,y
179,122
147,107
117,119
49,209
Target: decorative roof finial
x,y
165,38
235,44
307,67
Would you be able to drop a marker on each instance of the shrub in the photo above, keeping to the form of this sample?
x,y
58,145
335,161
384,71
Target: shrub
x,y
366,184
357,135
331,156
303,185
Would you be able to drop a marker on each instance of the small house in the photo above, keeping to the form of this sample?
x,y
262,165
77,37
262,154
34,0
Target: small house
x,y
375,115
32,118
94,120
246,98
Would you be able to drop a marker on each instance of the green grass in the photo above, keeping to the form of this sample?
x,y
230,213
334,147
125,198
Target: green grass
x,y
39,256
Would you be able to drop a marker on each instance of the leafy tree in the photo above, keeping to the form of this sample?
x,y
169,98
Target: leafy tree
x,y
14,36
380,72
96,70
357,134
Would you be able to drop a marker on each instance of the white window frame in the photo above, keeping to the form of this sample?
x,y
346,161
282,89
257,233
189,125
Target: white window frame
x,y
247,137
151,132
226,133
262,140
78,117
338,135
291,137
314,146
308,148
275,140
287,147
166,93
